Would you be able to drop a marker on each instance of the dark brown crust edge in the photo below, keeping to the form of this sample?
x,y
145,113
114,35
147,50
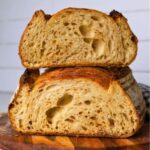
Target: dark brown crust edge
x,y
117,15
26,79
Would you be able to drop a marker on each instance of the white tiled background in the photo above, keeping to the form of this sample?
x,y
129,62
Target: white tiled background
x,y
15,14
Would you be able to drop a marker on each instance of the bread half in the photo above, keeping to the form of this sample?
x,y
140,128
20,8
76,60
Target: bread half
x,y
78,101
77,37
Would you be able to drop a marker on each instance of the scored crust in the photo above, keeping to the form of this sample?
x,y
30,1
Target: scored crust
x,y
104,77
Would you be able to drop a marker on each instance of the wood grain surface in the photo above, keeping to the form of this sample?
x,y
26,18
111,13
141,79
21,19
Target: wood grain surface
x,y
12,140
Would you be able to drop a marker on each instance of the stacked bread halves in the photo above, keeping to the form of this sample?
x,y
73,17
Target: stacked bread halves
x,y
88,89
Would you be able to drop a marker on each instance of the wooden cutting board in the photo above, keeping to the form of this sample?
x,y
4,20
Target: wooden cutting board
x,y
11,140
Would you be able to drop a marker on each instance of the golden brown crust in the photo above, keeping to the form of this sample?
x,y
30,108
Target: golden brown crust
x,y
103,76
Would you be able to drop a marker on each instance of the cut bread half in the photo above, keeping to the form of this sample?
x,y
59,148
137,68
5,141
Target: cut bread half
x,y
78,101
77,37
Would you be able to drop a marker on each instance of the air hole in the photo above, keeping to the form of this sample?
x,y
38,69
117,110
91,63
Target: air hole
x,y
93,118
66,130
41,52
110,45
100,110
101,25
84,128
85,53
121,106
125,116
66,24
73,23
87,102
49,122
20,123
72,117
86,31
133,130
16,103
114,115
30,122
87,40
66,99
54,41
130,112
21,112
51,113
132,120
43,44
40,90
69,120
54,62
76,33
99,124
111,122
80,113
94,18
57,52
91,123
98,46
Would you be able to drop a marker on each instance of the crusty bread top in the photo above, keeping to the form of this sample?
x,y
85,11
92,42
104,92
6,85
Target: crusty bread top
x,y
103,76
119,50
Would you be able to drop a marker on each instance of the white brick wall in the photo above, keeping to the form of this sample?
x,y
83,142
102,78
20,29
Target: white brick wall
x,y
14,15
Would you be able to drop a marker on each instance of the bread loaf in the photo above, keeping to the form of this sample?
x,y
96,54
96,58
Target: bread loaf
x,y
81,101
77,37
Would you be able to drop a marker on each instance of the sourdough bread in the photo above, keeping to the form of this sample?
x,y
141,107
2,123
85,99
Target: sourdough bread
x,y
81,101
77,37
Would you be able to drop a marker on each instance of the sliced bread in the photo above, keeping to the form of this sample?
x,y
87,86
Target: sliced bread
x,y
78,101
77,37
